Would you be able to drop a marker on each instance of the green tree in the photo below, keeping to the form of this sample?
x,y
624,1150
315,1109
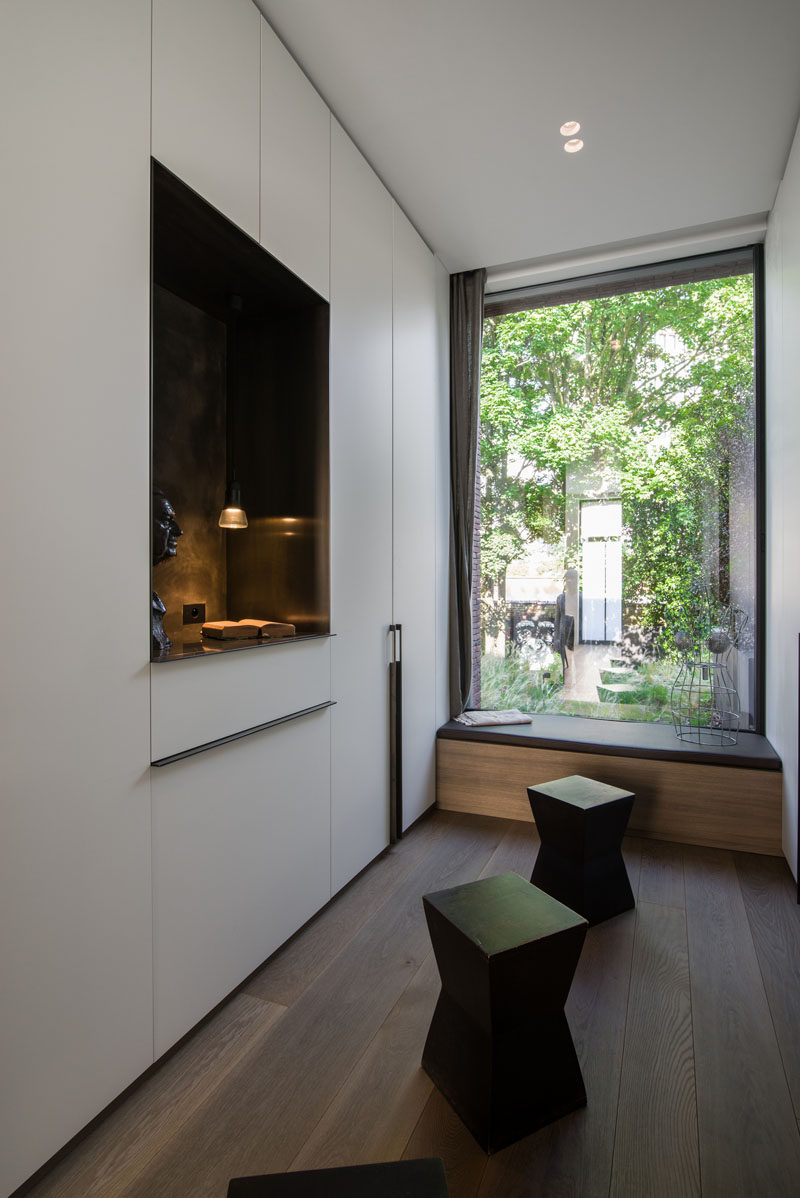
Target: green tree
x,y
655,387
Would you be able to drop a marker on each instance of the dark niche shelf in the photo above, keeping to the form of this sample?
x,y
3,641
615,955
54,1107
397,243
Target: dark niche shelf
x,y
239,385
190,649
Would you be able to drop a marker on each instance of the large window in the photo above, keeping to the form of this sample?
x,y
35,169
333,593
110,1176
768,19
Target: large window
x,y
618,536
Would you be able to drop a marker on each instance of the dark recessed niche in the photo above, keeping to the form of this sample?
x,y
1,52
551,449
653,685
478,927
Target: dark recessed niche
x,y
239,381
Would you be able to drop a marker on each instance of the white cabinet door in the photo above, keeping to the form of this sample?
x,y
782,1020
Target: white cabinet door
x,y
205,698
206,80
417,399
241,859
361,505
295,166
75,928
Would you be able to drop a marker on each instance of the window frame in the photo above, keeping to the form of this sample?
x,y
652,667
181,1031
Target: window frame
x,y
747,259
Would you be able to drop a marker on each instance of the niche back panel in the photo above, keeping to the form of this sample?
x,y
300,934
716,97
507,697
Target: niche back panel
x,y
283,563
239,381
189,463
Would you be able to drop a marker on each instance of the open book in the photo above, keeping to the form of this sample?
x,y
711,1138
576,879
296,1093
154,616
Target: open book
x,y
239,630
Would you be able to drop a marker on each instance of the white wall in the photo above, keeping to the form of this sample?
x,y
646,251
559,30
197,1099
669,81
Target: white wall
x,y
783,500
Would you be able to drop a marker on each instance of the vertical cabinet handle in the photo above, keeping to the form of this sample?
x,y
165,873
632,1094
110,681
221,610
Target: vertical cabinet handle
x,y
396,735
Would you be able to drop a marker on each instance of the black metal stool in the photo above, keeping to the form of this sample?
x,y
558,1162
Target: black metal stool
x,y
499,1046
395,1179
581,823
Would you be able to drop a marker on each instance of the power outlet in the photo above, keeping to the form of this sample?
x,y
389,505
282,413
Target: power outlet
x,y
194,613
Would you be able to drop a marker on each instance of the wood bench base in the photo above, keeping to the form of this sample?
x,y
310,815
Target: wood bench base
x,y
718,806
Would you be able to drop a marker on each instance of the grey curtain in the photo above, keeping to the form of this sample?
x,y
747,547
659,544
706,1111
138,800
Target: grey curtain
x,y
466,335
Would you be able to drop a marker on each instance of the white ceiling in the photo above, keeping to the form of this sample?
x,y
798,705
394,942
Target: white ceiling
x,y
687,107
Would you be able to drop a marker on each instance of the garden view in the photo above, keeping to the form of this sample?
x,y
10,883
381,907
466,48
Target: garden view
x,y
617,488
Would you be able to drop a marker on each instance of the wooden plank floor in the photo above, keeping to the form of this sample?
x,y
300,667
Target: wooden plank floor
x,y
685,1015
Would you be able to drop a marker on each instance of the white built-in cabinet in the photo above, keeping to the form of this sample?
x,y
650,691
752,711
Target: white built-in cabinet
x,y
134,898
361,506
241,832
295,167
389,535
203,699
76,1012
416,457
241,859
206,106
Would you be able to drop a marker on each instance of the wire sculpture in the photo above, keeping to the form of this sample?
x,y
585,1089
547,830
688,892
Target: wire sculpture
x,y
704,701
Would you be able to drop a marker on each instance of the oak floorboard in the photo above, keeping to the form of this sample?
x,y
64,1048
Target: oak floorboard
x,y
655,1150
123,1145
572,1157
661,880
375,1112
441,1133
246,1094
770,899
749,1142
293,968
267,1108
516,852
632,856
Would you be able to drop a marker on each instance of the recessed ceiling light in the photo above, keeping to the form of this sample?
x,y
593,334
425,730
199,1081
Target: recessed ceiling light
x,y
570,128
573,145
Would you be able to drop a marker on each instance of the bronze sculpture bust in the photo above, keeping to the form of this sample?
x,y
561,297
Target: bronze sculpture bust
x,y
166,531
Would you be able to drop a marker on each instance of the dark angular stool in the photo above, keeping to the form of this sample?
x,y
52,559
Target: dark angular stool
x,y
395,1179
499,1046
581,824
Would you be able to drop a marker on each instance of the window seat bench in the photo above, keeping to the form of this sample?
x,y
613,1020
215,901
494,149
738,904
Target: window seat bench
x,y
721,797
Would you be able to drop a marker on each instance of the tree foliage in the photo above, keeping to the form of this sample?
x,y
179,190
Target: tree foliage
x,y
653,387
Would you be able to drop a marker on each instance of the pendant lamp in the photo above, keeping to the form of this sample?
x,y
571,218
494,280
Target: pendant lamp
x,y
233,515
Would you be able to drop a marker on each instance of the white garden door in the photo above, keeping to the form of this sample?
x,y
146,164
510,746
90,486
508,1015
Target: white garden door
x,y
601,573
